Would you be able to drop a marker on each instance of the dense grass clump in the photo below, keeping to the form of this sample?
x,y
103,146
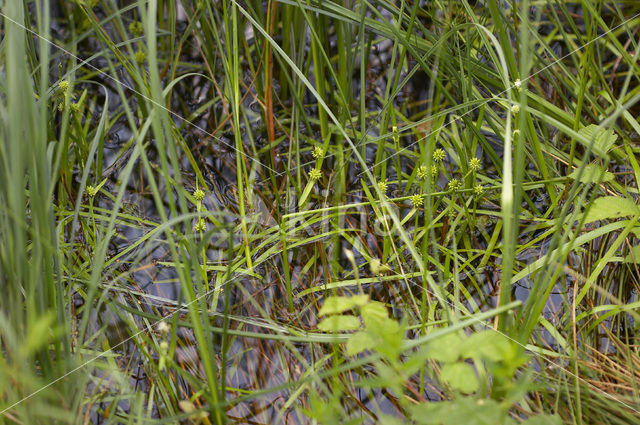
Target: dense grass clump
x,y
333,212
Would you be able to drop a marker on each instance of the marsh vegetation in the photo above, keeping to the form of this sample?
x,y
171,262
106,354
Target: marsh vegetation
x,y
332,212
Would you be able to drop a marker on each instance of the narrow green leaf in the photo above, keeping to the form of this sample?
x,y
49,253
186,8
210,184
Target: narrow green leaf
x,y
306,193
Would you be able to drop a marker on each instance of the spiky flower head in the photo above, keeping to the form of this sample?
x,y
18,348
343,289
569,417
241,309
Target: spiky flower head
x,y
64,86
474,164
435,170
383,186
163,327
91,191
135,28
454,184
315,174
198,195
140,57
75,107
515,109
517,84
478,190
317,152
438,155
200,226
416,200
423,172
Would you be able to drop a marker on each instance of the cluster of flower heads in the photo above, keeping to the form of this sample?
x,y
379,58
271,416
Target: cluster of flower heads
x,y
422,172
198,196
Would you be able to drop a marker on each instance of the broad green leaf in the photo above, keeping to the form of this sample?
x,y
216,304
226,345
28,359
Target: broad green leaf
x,y
388,377
608,207
374,313
334,305
602,138
460,376
487,345
466,410
415,362
591,174
446,348
339,323
359,342
543,420
389,420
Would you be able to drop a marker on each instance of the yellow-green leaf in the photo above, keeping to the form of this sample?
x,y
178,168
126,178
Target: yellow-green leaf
x,y
460,376
334,305
339,323
608,207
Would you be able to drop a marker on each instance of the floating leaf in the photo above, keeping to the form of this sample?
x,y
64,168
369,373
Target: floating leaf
x,y
602,138
460,376
339,323
334,305
608,207
591,174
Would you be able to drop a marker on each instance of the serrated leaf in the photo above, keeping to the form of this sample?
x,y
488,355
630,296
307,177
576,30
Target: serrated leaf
x,y
359,342
460,376
591,174
602,138
487,345
334,305
339,323
374,313
608,207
